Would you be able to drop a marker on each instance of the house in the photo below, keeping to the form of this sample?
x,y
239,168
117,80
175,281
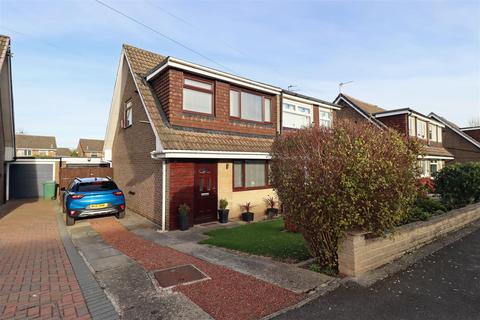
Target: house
x,y
473,132
90,148
64,152
459,142
408,122
7,128
35,146
179,132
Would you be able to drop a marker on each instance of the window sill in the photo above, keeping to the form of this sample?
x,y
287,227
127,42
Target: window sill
x,y
251,188
194,114
240,120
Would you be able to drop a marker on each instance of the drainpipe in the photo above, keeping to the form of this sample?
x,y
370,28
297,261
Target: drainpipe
x,y
164,192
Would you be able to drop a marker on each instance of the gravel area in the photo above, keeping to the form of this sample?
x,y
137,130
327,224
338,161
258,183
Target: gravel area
x,y
228,295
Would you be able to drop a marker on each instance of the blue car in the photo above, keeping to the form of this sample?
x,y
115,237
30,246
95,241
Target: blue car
x,y
86,197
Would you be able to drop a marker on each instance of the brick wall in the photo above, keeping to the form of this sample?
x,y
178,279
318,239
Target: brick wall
x,y
462,150
348,113
475,134
398,122
135,172
169,89
181,189
358,255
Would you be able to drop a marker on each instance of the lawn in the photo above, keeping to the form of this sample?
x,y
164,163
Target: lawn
x,y
265,238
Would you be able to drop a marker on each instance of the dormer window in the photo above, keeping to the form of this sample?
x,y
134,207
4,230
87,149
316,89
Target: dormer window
x,y
297,116
421,129
250,106
198,96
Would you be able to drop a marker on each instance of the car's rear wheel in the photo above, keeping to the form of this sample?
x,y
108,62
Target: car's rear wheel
x,y
70,221
120,215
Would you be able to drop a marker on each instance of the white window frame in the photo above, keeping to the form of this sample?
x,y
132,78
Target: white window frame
x,y
422,125
412,126
432,132
128,117
27,152
321,121
295,111
439,134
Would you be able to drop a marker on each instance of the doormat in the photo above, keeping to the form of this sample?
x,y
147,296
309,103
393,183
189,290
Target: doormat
x,y
180,275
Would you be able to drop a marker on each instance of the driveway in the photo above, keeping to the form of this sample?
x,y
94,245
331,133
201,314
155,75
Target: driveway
x,y
445,285
36,277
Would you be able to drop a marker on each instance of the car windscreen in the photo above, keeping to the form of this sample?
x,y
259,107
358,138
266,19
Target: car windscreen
x,y
96,186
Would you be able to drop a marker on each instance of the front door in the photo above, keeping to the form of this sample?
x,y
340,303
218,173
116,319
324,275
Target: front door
x,y
205,192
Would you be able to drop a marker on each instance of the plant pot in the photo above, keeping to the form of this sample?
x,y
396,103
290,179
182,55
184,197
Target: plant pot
x,y
247,216
182,222
223,215
272,212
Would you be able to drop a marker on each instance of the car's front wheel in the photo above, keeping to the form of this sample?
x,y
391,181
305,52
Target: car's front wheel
x,y
120,215
70,221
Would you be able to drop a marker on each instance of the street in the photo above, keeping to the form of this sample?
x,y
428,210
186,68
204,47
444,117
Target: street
x,y
445,285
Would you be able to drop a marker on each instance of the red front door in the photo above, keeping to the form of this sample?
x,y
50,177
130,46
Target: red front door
x,y
205,192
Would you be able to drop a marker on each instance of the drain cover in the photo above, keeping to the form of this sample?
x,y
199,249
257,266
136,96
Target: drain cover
x,y
178,275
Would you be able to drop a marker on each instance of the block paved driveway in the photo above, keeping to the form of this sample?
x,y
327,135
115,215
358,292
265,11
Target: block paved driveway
x,y
36,277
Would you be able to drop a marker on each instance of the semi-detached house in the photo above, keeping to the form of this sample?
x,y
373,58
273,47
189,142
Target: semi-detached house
x,y
179,132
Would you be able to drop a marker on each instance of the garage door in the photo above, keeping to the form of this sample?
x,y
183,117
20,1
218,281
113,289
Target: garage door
x,y
26,180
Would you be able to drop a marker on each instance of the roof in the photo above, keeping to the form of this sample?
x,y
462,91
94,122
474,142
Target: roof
x,y
141,63
302,96
91,145
435,151
470,128
359,106
365,106
4,46
455,128
35,142
64,152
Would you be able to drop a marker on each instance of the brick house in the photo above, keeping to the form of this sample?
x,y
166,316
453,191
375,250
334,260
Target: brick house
x,y
473,132
90,148
35,146
459,142
7,127
179,133
408,122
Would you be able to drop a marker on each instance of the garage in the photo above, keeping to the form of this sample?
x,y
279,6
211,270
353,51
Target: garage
x,y
25,179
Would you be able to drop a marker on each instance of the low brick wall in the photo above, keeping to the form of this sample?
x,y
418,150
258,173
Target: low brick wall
x,y
358,255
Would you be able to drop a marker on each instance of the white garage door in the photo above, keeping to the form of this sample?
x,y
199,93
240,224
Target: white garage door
x,y
26,179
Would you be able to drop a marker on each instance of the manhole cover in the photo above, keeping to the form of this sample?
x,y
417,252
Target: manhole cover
x,y
178,275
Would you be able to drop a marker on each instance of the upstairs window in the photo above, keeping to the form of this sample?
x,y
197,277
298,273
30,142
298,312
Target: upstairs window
x,y
432,132
128,114
421,129
325,119
439,134
250,106
411,126
198,96
296,116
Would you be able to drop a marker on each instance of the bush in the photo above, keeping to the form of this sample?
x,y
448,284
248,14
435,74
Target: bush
x,y
430,205
459,184
334,180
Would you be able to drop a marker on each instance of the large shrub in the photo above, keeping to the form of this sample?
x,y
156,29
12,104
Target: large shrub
x,y
334,180
459,184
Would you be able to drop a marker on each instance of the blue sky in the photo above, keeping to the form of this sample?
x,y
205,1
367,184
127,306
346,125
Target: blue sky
x,y
419,54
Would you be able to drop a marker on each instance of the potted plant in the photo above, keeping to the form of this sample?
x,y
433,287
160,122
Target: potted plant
x,y
271,210
223,211
246,214
182,217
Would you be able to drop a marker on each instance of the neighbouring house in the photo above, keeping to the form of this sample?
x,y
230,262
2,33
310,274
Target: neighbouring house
x,y
64,152
90,148
458,141
179,132
35,146
7,128
473,132
408,122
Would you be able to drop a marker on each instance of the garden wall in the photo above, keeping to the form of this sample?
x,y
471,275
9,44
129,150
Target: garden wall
x,y
357,254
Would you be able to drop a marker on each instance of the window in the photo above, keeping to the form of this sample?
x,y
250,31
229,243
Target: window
x,y
325,119
249,106
96,186
439,134
295,116
411,126
128,114
432,132
250,174
421,129
27,152
433,167
197,96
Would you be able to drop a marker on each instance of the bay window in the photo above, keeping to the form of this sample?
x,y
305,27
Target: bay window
x,y
296,116
197,96
250,106
250,174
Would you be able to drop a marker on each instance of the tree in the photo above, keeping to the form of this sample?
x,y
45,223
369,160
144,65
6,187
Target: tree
x,y
474,122
353,176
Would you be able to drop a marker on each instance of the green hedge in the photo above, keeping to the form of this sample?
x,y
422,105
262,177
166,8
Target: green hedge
x,y
459,184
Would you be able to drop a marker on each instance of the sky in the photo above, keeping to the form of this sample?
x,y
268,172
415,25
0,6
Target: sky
x,y
419,54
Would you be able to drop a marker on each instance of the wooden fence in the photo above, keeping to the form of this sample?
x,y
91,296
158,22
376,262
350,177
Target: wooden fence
x,y
68,174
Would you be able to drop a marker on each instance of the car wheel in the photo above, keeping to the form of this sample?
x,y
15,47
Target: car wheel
x,y
70,221
120,215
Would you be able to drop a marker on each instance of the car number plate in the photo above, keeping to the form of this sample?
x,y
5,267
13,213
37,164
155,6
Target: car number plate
x,y
98,206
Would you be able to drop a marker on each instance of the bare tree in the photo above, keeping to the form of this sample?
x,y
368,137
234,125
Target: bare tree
x,y
474,122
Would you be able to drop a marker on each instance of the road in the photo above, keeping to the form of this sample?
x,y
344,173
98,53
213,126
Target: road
x,y
444,285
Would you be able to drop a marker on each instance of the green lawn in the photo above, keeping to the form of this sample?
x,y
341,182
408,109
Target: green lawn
x,y
265,238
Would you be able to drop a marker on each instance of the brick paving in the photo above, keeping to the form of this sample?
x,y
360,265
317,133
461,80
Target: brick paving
x,y
227,295
36,277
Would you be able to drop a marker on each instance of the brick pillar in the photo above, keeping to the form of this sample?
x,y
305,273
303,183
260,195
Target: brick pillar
x,y
348,253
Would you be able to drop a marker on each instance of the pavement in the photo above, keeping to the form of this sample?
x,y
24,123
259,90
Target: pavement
x,y
443,285
36,277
